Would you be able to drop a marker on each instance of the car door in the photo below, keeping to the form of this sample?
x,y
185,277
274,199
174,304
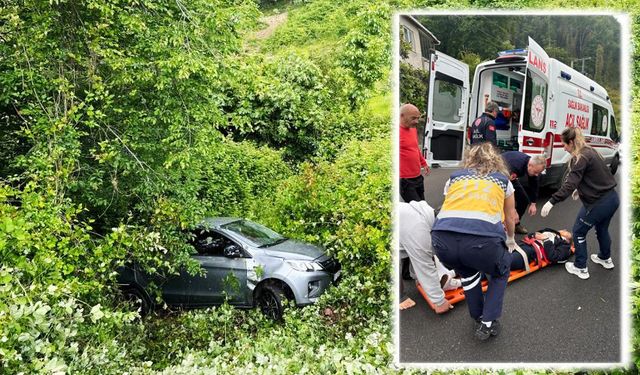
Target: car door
x,y
174,287
446,110
532,137
224,277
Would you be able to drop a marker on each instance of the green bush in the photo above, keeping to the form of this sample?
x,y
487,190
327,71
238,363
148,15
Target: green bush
x,y
414,86
345,205
129,121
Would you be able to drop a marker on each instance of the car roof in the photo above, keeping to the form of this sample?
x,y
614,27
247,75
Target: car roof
x,y
216,222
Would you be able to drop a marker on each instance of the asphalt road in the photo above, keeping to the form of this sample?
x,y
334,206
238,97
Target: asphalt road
x,y
549,316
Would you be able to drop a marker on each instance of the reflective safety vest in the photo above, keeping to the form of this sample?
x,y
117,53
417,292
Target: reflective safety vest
x,y
474,204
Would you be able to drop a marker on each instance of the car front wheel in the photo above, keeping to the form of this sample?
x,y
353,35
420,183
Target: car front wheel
x,y
138,300
270,300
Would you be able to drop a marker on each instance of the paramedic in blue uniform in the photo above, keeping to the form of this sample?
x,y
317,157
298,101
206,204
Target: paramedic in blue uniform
x,y
483,129
590,180
469,234
520,165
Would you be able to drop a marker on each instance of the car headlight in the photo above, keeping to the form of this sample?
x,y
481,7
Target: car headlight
x,y
304,265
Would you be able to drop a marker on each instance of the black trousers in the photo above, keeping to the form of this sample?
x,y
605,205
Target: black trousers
x,y
517,262
471,255
521,196
412,189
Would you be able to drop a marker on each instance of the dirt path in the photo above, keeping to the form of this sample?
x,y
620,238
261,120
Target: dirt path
x,y
273,22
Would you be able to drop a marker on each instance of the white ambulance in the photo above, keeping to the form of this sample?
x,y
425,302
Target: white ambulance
x,y
539,97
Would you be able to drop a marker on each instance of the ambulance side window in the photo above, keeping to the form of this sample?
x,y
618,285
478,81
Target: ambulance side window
x,y
614,130
600,121
535,102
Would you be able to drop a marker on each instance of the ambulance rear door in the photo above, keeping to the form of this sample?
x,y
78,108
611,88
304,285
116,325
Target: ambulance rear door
x,y
536,130
446,111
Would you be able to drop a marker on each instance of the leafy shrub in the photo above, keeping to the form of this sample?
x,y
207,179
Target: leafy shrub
x,y
414,86
135,119
281,102
344,205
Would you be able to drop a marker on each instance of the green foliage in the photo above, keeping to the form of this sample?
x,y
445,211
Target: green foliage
x,y
564,38
472,60
284,104
345,205
125,122
414,86
352,52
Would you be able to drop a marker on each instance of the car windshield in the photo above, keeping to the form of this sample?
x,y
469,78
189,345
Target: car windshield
x,y
254,232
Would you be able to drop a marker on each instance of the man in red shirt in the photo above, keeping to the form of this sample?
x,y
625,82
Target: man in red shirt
x,y
413,166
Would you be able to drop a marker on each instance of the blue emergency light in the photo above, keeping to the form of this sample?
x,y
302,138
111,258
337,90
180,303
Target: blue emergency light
x,y
565,75
517,52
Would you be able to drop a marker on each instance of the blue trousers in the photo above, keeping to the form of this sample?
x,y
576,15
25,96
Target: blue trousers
x,y
597,215
470,255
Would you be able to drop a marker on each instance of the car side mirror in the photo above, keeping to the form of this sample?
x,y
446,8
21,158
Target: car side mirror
x,y
232,251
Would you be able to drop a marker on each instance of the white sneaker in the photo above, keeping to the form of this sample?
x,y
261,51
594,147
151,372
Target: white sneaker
x,y
606,263
452,284
582,273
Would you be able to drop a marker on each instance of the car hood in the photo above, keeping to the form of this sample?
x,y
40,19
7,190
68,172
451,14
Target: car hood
x,y
292,249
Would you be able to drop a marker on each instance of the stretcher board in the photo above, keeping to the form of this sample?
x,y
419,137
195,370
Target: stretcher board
x,y
457,295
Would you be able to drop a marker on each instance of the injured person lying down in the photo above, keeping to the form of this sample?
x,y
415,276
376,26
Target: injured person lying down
x,y
536,250
547,244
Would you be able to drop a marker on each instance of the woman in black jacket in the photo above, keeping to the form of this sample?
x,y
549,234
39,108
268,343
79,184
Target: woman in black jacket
x,y
591,180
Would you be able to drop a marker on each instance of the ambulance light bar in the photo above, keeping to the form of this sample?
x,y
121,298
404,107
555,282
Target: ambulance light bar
x,y
565,75
510,58
517,52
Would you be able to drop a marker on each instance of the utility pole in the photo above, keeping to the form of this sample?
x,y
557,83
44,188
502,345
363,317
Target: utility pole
x,y
583,59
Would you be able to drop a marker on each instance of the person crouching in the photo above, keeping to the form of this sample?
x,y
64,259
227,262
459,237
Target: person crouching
x,y
469,235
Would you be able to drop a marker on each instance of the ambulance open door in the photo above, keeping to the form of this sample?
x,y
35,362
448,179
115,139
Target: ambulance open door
x,y
446,111
533,136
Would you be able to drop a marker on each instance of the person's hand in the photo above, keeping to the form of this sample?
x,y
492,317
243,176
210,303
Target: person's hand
x,y
425,171
575,195
546,208
511,243
444,307
533,209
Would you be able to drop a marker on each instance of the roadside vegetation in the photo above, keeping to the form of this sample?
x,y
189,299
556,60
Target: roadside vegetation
x,y
125,122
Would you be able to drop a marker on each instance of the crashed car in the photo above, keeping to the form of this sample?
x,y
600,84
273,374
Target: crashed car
x,y
245,264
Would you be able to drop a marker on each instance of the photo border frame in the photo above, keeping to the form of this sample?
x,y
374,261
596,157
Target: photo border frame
x,y
624,19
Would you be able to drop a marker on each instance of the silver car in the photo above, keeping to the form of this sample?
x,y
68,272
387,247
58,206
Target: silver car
x,y
244,263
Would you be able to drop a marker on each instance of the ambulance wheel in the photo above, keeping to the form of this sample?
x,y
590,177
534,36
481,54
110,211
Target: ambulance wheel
x,y
615,163
558,184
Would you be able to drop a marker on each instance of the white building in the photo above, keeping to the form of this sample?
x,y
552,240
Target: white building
x,y
420,40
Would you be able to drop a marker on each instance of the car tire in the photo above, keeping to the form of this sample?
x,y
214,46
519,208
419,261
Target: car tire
x,y
615,163
138,299
270,299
